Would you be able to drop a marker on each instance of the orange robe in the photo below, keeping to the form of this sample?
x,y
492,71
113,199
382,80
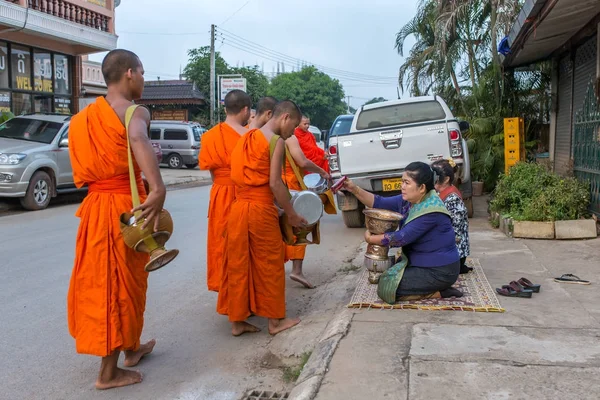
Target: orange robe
x,y
107,292
254,281
290,180
215,155
309,147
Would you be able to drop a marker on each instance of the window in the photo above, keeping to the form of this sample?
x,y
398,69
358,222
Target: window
x,y
4,101
62,105
42,104
21,103
197,133
400,114
42,72
61,79
342,127
154,134
3,65
30,129
21,68
173,134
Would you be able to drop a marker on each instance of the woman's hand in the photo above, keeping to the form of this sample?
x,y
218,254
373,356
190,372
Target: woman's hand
x,y
373,239
349,186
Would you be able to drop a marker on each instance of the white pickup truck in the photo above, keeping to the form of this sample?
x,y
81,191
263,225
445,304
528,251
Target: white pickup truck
x,y
386,137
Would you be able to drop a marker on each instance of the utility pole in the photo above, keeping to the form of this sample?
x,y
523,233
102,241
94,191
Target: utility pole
x,y
348,104
212,76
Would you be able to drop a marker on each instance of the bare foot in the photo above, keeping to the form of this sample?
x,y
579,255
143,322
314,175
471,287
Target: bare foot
x,y
301,280
132,358
279,325
239,328
121,378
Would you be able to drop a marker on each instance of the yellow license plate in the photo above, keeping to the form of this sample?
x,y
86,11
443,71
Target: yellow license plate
x,y
392,185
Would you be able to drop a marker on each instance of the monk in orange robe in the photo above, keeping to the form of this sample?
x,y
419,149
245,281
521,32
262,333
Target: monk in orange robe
x,y
297,253
255,275
250,119
107,292
215,156
264,112
308,144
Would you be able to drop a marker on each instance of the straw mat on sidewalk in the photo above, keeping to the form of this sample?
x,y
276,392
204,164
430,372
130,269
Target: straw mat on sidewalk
x,y
478,295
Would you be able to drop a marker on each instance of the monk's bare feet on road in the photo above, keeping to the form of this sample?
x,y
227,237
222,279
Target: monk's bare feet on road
x,y
132,358
239,328
279,325
120,378
301,280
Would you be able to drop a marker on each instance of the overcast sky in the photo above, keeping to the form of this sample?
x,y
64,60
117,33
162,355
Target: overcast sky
x,y
352,40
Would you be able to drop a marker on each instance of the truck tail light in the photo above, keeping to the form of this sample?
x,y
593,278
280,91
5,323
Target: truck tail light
x,y
456,149
334,159
332,150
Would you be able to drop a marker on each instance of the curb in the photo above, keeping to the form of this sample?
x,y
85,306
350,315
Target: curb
x,y
309,381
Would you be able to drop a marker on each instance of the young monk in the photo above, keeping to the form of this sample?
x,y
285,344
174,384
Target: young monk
x,y
264,112
255,275
215,155
308,144
250,119
297,253
107,293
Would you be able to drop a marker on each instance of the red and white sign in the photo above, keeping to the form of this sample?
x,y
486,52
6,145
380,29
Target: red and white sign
x,y
229,84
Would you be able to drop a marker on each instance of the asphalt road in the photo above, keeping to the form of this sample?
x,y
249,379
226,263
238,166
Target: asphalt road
x,y
195,358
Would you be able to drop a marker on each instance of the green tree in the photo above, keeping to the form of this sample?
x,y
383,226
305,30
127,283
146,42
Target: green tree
x,y
376,100
257,83
318,95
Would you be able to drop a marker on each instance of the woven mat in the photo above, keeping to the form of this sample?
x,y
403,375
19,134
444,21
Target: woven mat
x,y
478,295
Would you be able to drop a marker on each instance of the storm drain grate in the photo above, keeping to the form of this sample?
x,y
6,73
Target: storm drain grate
x,y
266,395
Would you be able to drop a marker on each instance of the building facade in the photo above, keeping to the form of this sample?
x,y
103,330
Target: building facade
x,y
565,32
92,82
177,100
40,41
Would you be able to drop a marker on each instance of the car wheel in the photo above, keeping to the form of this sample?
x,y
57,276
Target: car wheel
x,y
39,192
191,166
469,205
354,218
175,161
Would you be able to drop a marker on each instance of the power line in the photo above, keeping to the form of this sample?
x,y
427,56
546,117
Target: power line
x,y
238,10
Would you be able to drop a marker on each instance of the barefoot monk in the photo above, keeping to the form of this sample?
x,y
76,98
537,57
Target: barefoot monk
x,y
107,293
215,156
255,275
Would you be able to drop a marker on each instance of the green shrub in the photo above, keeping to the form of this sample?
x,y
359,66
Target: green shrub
x,y
530,192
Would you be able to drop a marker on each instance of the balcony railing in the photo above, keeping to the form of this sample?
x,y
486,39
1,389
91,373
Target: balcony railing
x,y
70,11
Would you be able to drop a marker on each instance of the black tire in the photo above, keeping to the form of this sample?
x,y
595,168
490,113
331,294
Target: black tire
x,y
354,218
191,166
469,205
174,161
39,192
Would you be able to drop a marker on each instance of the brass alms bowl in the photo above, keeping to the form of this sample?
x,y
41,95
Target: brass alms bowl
x,y
380,221
148,241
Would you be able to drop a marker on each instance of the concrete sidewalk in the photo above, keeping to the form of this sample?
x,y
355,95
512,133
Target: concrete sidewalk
x,y
173,178
545,347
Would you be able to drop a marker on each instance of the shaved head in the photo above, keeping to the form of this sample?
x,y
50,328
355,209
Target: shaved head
x,y
117,63
236,101
304,117
287,107
266,104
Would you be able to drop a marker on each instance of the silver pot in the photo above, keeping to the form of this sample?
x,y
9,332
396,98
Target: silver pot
x,y
315,183
376,268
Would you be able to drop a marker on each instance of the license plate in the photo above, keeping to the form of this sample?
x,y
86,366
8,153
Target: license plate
x,y
392,185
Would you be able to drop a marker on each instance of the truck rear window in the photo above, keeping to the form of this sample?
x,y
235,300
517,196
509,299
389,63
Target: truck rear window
x,y
342,127
400,114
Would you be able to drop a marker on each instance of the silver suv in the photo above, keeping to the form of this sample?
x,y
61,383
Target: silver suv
x,y
385,137
34,159
180,142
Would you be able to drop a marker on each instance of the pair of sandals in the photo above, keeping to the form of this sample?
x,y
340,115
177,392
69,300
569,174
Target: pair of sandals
x,y
521,288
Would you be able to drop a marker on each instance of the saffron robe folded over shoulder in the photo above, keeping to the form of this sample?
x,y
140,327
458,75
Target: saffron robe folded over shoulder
x,y
254,280
107,292
309,147
215,155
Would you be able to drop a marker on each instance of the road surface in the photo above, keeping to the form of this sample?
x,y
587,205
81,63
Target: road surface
x,y
195,357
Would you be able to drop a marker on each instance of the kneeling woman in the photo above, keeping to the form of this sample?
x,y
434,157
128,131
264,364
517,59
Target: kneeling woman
x,y
430,262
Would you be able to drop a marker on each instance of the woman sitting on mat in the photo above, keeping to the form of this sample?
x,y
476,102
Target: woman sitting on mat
x,y
425,235
452,199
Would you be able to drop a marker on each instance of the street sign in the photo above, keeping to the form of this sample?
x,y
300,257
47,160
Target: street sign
x,y
229,84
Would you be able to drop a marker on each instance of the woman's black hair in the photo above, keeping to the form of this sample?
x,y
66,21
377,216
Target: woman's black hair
x,y
444,170
422,174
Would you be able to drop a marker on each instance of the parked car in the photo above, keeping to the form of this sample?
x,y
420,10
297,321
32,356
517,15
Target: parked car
x,y
180,142
316,133
341,126
157,151
385,137
34,159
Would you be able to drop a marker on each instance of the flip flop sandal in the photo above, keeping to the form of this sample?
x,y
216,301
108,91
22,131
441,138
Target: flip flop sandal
x,y
514,290
526,283
570,278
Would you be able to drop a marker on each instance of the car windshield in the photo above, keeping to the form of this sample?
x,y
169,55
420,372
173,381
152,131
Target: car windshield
x,y
400,114
197,133
33,130
341,127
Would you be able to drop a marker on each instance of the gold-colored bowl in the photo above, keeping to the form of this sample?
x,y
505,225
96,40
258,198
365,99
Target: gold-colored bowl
x,y
148,241
380,221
